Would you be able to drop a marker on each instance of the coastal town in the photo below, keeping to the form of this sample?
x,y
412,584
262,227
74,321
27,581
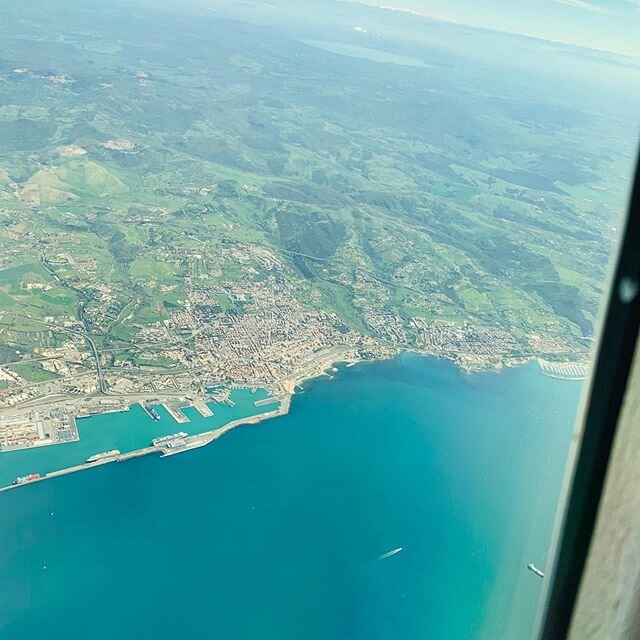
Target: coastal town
x,y
254,331
268,338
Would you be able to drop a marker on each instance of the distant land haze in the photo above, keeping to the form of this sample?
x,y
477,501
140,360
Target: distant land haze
x,y
609,25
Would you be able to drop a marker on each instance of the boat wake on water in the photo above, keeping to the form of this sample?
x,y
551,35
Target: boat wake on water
x,y
393,552
532,567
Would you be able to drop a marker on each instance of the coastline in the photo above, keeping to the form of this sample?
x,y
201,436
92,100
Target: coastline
x,y
387,417
288,388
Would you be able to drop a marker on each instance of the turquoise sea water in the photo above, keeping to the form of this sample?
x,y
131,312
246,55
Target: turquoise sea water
x,y
126,432
274,532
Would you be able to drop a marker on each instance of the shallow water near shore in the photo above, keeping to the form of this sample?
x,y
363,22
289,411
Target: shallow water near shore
x,y
275,531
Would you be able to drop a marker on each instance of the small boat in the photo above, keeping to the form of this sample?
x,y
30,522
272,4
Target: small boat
x,y
532,567
393,552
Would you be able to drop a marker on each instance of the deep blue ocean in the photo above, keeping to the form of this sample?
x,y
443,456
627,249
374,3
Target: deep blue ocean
x,y
275,531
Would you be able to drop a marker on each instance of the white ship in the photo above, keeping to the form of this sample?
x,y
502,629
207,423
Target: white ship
x,y
532,567
393,552
102,456
165,440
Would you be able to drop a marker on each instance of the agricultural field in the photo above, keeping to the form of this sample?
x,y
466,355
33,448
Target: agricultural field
x,y
140,152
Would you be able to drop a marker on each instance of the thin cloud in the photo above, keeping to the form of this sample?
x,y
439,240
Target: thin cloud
x,y
582,4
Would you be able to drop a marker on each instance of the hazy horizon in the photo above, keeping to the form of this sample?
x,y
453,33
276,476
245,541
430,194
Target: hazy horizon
x,y
608,25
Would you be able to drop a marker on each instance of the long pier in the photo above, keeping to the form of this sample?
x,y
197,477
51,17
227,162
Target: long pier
x,y
86,465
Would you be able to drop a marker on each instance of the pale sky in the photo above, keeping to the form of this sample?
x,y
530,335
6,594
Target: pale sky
x,y
613,25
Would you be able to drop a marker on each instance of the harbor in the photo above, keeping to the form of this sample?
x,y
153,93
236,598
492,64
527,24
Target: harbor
x,y
131,433
165,446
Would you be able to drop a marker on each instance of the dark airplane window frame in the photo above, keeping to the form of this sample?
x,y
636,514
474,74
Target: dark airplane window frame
x,y
606,393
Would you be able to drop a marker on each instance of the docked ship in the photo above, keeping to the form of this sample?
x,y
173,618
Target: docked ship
x,y
103,456
27,478
532,567
152,412
158,442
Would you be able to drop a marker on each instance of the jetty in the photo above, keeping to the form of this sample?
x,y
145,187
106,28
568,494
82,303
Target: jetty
x,y
265,401
86,465
202,408
176,413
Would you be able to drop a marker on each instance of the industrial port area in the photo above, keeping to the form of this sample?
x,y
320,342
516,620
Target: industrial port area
x,y
36,428
168,445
